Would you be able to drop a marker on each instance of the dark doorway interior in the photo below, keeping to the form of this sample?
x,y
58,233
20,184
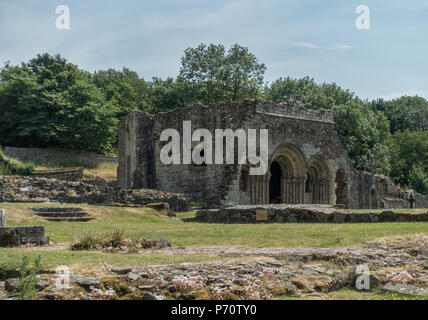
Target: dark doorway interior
x,y
373,199
275,183
341,188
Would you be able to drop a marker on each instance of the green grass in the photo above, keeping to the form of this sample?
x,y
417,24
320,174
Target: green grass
x,y
13,167
88,261
106,171
147,223
150,224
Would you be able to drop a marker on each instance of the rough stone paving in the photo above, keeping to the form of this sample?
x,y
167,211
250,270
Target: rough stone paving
x,y
398,264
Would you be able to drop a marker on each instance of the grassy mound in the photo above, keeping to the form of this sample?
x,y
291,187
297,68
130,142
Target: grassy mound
x,y
13,167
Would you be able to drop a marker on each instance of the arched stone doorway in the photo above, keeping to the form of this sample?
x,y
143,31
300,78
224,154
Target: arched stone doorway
x,y
275,188
373,199
292,166
318,182
341,188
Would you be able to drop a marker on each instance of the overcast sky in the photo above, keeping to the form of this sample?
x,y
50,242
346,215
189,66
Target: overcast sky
x,y
294,38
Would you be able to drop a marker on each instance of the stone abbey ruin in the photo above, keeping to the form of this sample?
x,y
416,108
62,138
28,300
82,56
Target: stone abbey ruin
x,y
307,162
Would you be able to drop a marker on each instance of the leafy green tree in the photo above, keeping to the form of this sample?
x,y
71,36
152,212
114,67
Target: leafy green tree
x,y
408,149
50,102
219,75
404,113
304,90
308,92
418,179
124,89
364,135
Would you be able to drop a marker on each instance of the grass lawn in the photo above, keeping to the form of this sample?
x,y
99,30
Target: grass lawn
x,y
149,224
106,171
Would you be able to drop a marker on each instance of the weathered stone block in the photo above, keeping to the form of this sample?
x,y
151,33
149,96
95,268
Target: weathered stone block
x,y
16,236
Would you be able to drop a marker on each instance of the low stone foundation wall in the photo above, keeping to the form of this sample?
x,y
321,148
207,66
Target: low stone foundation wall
x,y
16,236
31,189
280,213
72,174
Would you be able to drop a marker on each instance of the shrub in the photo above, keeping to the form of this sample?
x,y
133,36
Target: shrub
x,y
116,241
12,167
28,278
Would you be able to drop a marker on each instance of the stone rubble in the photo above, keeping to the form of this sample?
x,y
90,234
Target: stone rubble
x,y
32,189
256,273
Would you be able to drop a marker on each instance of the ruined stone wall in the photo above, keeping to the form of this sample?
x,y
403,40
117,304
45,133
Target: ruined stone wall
x,y
57,156
309,134
136,151
372,191
209,183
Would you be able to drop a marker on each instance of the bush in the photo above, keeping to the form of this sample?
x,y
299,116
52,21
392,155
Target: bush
x,y
115,241
12,167
28,278
418,179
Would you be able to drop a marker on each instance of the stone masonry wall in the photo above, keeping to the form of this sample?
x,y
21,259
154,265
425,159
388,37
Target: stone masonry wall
x,y
310,134
57,156
284,213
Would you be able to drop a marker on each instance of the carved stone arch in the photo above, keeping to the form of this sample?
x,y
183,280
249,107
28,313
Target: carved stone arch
x,y
318,181
291,160
292,173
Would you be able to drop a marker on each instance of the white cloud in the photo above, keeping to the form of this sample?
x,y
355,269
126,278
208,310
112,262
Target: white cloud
x,y
305,45
340,47
311,45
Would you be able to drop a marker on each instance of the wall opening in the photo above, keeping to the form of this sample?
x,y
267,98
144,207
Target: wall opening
x,y
373,199
291,182
275,183
318,181
341,188
412,201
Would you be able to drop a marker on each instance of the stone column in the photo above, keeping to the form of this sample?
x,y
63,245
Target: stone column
x,y
2,218
256,180
302,190
322,191
253,189
267,182
283,190
295,189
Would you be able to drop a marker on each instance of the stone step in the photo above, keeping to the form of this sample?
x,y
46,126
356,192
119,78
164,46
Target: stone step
x,y
69,219
61,214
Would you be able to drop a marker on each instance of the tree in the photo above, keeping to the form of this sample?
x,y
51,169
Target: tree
x,y
50,102
404,113
309,93
124,89
364,135
418,179
217,75
408,149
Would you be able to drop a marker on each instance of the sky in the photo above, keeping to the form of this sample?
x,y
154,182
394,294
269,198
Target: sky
x,y
295,38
